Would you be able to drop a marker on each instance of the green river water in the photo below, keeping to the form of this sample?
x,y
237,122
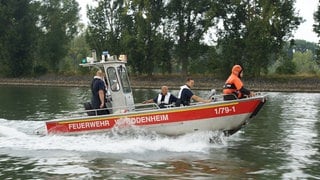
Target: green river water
x,y
282,142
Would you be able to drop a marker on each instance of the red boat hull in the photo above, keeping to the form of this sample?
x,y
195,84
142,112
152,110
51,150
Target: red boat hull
x,y
224,115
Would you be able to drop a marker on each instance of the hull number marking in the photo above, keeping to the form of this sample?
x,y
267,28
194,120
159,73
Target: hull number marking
x,y
225,110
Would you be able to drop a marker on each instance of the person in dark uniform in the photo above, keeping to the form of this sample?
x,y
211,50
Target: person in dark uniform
x,y
98,88
185,94
163,99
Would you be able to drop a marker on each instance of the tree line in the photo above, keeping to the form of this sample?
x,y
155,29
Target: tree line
x,y
159,36
35,35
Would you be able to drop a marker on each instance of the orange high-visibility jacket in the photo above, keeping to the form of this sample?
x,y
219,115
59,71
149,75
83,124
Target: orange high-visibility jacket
x,y
234,83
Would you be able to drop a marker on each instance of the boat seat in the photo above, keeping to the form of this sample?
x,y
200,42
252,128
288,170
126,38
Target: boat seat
x,y
88,107
94,112
228,97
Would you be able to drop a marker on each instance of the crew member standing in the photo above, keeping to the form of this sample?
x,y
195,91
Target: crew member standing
x,y
98,88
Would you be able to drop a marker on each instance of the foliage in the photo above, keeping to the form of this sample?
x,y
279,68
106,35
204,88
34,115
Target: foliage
x,y
254,32
303,60
130,28
316,25
58,23
316,29
305,63
34,35
189,21
304,46
159,36
152,48
286,67
104,31
17,37
78,50
39,70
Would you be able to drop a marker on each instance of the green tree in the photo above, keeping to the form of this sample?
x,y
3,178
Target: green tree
x,y
287,66
58,21
304,46
17,37
130,27
154,48
105,26
78,50
305,63
188,21
254,33
316,17
316,29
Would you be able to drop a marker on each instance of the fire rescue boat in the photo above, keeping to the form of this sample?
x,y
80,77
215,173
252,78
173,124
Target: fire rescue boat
x,y
218,115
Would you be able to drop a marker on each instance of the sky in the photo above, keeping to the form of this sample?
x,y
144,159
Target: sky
x,y
305,8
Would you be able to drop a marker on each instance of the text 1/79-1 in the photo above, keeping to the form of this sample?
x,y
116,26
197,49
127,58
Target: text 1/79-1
x,y
225,110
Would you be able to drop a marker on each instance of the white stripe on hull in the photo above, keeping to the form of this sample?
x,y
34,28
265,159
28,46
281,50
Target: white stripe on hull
x,y
212,124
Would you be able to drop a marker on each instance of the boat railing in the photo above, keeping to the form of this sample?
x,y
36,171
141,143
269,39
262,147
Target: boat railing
x,y
113,110
222,97
92,112
144,107
137,108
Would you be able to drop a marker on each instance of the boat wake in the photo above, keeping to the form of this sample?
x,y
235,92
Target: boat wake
x,y
18,135
10,132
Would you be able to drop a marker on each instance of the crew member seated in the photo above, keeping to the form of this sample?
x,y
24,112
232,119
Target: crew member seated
x,y
163,99
186,95
233,88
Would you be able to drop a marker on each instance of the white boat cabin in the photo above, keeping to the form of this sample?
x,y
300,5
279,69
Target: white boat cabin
x,y
119,93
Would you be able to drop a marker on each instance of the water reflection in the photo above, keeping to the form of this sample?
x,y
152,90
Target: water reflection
x,y
45,103
314,167
282,142
40,103
299,116
141,95
16,167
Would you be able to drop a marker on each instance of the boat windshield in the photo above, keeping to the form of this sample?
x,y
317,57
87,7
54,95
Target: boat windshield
x,y
113,81
124,79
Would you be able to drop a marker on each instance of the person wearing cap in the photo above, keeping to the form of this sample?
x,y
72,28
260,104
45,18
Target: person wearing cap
x,y
234,85
163,99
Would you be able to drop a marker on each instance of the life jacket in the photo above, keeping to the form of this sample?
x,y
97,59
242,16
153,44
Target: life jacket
x,y
180,101
181,88
234,83
166,99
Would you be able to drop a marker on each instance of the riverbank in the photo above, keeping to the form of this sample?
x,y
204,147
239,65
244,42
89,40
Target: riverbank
x,y
267,84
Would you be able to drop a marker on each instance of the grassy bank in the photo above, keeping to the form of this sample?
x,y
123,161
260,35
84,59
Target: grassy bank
x,y
268,83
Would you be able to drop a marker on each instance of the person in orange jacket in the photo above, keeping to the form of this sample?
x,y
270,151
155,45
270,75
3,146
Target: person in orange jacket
x,y
234,84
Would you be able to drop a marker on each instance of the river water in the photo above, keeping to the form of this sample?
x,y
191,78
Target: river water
x,y
282,142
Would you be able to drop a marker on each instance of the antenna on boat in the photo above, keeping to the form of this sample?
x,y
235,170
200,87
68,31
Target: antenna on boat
x,y
94,55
